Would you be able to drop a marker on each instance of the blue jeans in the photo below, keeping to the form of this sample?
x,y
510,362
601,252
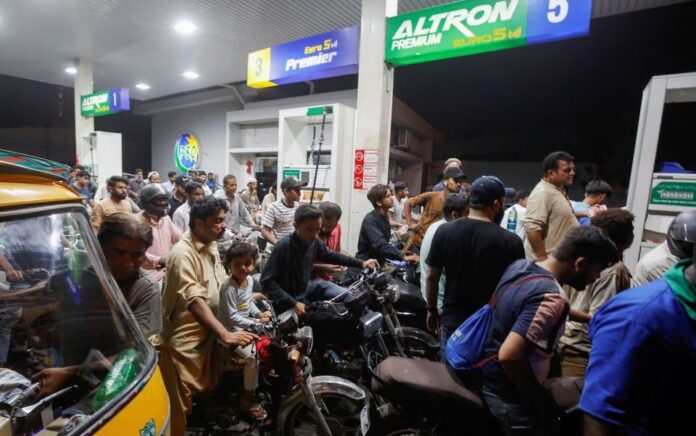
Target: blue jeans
x,y
517,419
322,290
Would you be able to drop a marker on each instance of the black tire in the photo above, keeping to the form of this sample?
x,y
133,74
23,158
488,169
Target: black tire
x,y
401,424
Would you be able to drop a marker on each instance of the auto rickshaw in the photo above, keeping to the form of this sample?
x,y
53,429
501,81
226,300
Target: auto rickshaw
x,y
61,309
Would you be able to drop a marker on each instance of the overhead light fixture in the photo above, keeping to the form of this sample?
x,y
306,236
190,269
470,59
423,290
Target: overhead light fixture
x,y
185,27
143,86
191,75
71,70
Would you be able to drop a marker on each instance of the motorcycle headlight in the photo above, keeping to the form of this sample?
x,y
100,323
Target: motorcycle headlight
x,y
305,336
394,293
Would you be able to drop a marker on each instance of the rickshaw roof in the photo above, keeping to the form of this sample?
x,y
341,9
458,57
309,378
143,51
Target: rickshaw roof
x,y
28,180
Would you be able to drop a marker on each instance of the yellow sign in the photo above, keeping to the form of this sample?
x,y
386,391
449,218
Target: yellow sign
x,y
259,69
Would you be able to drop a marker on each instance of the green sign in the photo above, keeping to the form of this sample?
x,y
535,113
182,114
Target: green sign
x,y
289,172
674,194
105,102
477,26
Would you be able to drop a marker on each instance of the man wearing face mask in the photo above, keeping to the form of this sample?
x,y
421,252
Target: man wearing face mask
x,y
155,204
473,253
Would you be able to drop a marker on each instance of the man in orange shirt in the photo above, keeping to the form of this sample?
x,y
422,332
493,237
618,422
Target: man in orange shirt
x,y
432,204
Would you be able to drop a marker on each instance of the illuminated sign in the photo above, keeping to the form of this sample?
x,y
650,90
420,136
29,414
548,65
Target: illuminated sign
x,y
187,153
317,57
478,26
105,102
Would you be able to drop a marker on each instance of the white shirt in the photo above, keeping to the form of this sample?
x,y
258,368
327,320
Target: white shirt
x,y
519,228
654,265
181,217
168,186
280,219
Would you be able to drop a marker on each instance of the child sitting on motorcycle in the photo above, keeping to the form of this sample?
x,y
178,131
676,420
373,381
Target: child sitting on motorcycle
x,y
237,311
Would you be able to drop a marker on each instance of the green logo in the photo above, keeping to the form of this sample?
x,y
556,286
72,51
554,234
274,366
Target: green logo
x,y
186,153
456,29
674,194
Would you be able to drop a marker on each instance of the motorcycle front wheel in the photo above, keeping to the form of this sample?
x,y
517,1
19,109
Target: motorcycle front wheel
x,y
342,414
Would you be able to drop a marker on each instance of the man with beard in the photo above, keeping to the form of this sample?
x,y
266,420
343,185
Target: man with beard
x,y
432,203
190,303
549,212
182,216
115,203
529,311
473,253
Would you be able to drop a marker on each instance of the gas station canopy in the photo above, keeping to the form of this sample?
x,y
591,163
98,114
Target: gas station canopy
x,y
136,42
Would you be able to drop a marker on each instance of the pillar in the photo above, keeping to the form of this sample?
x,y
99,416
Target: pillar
x,y
83,85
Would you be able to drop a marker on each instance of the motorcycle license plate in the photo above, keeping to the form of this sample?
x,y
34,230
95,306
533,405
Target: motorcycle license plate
x,y
365,420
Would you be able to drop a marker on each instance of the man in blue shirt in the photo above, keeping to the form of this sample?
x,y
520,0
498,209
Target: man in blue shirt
x,y
530,311
641,377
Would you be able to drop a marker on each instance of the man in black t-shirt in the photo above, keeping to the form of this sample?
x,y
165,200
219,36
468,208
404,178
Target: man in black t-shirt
x,y
473,252
373,242
178,195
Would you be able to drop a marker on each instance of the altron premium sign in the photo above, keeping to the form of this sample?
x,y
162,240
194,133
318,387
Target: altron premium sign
x,y
187,153
327,55
477,26
105,102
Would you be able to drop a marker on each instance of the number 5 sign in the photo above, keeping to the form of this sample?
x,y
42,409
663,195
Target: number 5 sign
x,y
551,20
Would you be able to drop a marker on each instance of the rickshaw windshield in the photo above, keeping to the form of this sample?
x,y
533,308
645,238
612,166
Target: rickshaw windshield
x,y
69,346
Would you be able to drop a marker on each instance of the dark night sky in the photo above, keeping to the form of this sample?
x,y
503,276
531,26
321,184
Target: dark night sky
x,y
582,94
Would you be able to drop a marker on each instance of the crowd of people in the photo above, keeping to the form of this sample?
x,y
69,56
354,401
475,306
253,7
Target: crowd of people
x,y
562,301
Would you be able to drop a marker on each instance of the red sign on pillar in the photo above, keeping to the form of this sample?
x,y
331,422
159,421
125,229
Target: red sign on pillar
x,y
358,169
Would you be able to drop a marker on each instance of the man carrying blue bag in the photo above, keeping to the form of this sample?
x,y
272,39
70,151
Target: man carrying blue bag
x,y
511,339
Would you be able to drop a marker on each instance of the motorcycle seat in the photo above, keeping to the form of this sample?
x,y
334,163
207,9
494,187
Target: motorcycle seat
x,y
425,384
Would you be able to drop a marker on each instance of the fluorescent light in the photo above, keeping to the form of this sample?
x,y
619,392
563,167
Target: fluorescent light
x,y
185,27
143,86
71,70
191,75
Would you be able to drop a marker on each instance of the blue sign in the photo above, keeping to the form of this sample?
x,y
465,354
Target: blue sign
x,y
551,20
317,57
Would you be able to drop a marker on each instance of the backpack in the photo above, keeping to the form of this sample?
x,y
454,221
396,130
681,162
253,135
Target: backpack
x,y
465,347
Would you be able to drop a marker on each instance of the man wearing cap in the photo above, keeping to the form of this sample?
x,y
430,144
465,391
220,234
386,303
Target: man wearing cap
x,y
250,196
178,195
641,378
452,162
596,193
432,203
549,212
164,233
279,217
473,253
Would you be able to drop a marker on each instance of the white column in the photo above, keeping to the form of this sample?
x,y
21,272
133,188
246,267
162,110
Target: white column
x,y
83,85
375,86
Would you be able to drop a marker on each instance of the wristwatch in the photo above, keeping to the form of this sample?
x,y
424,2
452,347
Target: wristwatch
x,y
430,308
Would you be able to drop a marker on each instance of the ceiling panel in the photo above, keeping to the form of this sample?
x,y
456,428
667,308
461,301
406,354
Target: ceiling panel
x,y
133,40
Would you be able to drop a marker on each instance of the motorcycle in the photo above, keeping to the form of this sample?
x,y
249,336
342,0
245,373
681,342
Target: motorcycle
x,y
384,296
419,397
361,330
298,403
